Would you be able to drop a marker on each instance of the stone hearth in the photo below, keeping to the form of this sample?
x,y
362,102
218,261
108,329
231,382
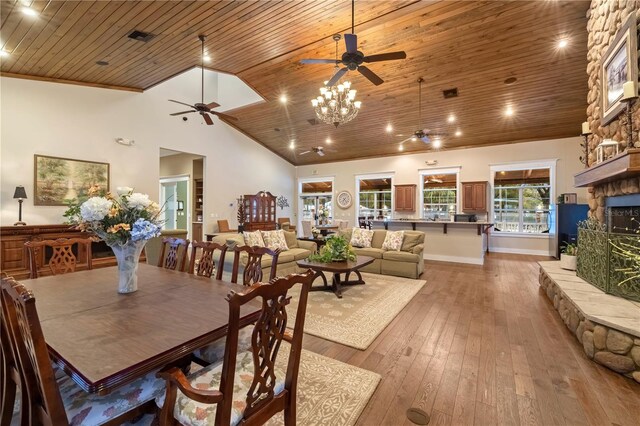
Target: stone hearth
x,y
608,327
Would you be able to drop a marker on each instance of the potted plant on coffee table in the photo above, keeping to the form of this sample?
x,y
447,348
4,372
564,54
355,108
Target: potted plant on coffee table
x,y
336,249
569,256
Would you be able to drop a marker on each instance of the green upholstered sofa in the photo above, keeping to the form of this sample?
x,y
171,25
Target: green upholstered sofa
x,y
298,250
408,262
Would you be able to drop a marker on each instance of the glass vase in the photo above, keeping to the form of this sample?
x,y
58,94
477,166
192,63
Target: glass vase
x,y
128,256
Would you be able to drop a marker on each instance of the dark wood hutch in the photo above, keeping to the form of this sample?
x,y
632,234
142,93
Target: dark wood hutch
x,y
14,259
260,210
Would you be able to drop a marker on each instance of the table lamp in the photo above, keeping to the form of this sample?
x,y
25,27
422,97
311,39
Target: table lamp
x,y
20,194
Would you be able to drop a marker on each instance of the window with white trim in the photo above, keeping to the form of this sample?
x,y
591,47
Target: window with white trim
x,y
374,196
439,193
522,197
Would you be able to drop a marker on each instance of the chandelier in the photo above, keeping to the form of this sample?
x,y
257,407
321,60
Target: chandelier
x,y
336,104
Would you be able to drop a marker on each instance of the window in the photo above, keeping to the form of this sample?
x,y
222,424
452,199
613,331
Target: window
x,y
439,193
374,196
316,195
522,198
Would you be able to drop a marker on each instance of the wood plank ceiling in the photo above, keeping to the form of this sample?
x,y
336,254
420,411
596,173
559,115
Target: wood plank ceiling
x,y
471,45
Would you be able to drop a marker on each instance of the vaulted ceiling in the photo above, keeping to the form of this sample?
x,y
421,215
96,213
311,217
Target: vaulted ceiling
x,y
473,46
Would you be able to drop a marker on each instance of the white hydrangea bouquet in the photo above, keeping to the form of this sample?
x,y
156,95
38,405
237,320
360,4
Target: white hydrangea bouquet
x,y
125,222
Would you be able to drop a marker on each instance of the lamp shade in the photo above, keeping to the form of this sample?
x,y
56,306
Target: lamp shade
x,y
20,192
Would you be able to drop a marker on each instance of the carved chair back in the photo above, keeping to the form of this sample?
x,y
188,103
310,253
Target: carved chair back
x,y
174,254
30,350
62,260
11,380
269,331
206,259
252,272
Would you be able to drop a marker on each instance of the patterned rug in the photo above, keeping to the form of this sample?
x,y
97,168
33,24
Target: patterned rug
x,y
362,313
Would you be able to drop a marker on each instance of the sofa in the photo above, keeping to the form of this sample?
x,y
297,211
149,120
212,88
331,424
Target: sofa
x,y
408,262
287,259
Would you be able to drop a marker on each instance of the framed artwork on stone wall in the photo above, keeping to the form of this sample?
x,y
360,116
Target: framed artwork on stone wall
x,y
619,64
59,179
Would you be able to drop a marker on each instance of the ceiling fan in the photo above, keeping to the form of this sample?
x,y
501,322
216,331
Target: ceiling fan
x,y
425,135
352,59
201,108
317,149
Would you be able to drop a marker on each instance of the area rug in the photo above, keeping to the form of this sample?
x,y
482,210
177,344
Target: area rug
x,y
362,313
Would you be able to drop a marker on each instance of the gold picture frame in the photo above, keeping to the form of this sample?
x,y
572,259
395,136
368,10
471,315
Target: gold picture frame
x,y
57,179
619,64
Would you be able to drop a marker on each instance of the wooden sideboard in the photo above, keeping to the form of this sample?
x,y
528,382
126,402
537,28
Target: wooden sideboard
x,y
14,259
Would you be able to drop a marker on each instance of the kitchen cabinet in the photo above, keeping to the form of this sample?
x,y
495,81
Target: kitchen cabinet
x,y
474,196
405,198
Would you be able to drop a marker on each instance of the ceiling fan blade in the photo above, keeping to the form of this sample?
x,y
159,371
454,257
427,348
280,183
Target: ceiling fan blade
x,y
337,76
385,57
213,105
182,103
425,139
373,77
319,61
320,152
183,112
207,118
304,152
225,116
406,140
351,41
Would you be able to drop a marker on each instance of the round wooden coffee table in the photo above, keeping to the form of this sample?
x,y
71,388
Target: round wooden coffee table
x,y
337,268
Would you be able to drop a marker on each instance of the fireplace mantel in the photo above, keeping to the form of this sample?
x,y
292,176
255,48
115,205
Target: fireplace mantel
x,y
621,166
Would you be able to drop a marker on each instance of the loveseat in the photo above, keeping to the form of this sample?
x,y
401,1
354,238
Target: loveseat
x,y
287,259
408,262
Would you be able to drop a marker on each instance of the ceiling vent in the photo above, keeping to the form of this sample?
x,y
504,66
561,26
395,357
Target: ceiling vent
x,y
312,121
141,36
450,93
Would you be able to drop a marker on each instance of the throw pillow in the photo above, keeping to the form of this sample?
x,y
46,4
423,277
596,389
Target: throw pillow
x,y
393,241
275,240
292,240
361,237
253,239
411,240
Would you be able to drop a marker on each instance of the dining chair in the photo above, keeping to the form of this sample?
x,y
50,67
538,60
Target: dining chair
x,y
251,274
306,228
62,259
285,223
11,381
204,262
174,253
61,402
223,226
246,387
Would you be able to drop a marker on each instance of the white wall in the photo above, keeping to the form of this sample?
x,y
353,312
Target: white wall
x,y
82,122
474,165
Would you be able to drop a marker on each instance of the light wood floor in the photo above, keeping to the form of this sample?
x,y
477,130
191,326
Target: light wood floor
x,y
482,345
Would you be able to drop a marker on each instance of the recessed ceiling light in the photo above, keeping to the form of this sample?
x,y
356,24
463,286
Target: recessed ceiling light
x,y
4,53
437,143
389,128
283,99
292,145
510,80
29,12
508,112
458,133
400,148
328,140
413,138
206,58
451,119
563,43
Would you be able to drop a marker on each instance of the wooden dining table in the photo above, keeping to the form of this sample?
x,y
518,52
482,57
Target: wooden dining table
x,y
104,340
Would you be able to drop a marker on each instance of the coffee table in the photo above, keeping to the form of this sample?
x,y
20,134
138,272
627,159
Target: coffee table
x,y
337,268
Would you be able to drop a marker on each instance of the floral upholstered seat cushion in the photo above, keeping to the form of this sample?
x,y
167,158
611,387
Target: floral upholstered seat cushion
x,y
393,240
192,413
275,240
361,237
91,409
214,352
253,239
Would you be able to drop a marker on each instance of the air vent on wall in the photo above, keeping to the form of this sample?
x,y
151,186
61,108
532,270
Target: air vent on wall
x,y
450,93
141,36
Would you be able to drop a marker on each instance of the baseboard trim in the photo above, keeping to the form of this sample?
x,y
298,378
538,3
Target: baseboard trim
x,y
520,251
455,259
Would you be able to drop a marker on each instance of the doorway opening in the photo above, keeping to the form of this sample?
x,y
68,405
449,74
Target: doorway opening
x,y
316,201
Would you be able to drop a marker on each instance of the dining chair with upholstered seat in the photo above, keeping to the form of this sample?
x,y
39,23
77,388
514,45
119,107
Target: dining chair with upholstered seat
x,y
173,254
204,261
11,382
247,386
63,259
223,226
306,228
61,402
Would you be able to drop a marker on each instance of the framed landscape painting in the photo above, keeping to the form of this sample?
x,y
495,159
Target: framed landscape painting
x,y
59,179
619,65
